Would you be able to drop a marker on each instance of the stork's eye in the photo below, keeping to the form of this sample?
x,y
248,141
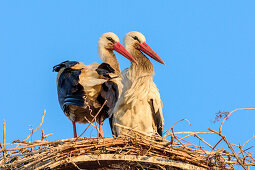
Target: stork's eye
x,y
110,39
135,38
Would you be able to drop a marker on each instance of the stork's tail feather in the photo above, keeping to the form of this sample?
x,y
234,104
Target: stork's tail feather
x,y
65,64
74,100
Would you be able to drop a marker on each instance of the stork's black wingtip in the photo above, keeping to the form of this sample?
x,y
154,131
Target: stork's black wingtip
x,y
65,64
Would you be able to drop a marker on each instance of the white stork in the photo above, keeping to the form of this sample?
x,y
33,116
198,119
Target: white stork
x,y
83,89
139,106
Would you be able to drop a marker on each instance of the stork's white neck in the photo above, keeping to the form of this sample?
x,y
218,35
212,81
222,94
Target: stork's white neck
x,y
108,56
144,65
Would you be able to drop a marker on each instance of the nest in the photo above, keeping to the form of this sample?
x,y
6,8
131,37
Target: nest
x,y
136,152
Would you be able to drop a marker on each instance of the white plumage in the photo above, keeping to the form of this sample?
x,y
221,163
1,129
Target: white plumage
x,y
139,106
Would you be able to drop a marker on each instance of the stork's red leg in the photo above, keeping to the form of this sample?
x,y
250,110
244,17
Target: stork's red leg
x,y
101,133
74,130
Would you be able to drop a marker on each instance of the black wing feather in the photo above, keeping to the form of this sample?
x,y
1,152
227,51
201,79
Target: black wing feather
x,y
157,119
70,91
65,64
109,92
104,69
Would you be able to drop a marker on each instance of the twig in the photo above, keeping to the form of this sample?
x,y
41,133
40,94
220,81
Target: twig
x,y
199,147
245,144
92,120
141,134
37,127
173,127
230,114
4,138
249,140
249,148
177,138
217,144
213,148
45,136
203,141
230,147
92,124
249,156
192,133
240,147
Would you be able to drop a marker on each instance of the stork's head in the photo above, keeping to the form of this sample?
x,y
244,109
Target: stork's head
x,y
110,42
137,40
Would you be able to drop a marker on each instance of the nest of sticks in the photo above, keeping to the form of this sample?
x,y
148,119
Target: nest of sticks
x,y
136,151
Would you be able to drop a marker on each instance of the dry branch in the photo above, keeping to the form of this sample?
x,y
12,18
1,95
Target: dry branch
x,y
94,119
33,131
220,130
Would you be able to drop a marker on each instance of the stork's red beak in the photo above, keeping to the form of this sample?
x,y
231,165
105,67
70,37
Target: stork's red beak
x,y
120,49
147,50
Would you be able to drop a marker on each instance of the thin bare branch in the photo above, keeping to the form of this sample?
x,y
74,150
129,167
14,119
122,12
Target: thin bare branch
x,y
4,138
92,120
230,147
169,133
33,131
203,141
248,140
220,130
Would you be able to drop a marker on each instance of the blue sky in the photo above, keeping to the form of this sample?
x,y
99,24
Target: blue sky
x,y
208,48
